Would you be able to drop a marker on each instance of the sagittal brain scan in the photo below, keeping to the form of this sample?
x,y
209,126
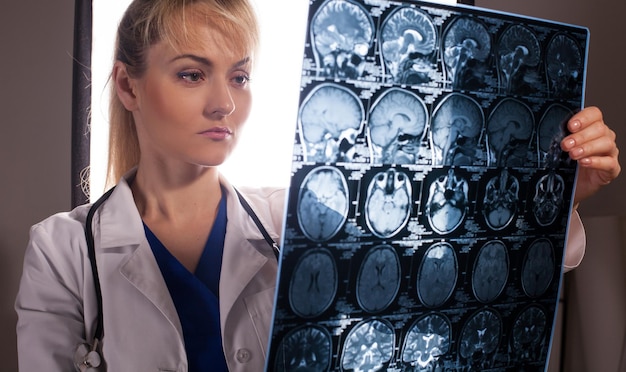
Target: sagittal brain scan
x,y
388,203
408,42
397,125
331,118
379,279
518,51
369,346
456,126
552,130
426,220
509,133
564,61
342,32
466,46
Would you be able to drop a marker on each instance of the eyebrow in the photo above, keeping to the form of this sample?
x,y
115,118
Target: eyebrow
x,y
207,62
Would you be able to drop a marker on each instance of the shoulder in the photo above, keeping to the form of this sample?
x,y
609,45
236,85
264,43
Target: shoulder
x,y
268,202
64,226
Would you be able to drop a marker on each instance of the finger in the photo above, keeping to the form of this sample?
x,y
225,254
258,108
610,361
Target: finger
x,y
607,166
584,118
600,146
591,132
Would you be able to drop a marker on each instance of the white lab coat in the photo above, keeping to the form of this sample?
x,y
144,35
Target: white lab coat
x,y
56,304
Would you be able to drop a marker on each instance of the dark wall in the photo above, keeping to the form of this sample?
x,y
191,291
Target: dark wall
x,y
35,114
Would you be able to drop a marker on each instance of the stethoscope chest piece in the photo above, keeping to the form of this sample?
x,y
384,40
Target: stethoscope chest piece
x,y
86,358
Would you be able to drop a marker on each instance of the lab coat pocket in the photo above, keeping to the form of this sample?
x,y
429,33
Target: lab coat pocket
x,y
260,307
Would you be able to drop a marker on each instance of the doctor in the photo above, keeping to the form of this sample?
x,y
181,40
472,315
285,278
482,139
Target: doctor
x,y
186,276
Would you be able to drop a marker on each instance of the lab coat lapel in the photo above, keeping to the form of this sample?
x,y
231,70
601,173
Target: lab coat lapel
x,y
241,259
122,231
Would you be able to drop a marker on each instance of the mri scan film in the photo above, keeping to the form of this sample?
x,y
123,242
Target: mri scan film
x,y
429,203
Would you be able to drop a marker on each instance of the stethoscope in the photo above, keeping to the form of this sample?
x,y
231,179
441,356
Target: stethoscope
x,y
86,356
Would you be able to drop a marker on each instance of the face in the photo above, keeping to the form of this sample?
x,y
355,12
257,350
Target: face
x,y
192,101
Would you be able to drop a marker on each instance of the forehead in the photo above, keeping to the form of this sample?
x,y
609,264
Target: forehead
x,y
197,30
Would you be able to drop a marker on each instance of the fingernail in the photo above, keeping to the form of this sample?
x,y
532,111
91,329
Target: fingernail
x,y
577,152
569,143
585,161
575,125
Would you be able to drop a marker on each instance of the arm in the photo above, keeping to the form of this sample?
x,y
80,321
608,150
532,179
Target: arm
x,y
592,144
49,303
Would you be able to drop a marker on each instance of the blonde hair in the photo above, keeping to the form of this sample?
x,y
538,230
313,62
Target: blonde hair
x,y
147,22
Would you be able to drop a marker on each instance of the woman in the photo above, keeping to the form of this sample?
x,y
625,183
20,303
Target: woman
x,y
187,278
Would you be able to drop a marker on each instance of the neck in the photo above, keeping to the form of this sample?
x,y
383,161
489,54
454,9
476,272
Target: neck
x,y
176,195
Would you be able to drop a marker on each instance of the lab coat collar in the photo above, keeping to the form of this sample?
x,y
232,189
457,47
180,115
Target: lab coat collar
x,y
245,250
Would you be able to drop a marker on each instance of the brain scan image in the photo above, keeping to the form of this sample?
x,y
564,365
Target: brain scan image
x,y
314,283
388,203
342,34
447,202
552,129
331,117
491,271
368,347
379,279
456,125
548,200
518,49
538,268
304,349
396,127
409,39
466,44
322,203
509,131
500,201
528,333
426,341
437,275
564,64
480,336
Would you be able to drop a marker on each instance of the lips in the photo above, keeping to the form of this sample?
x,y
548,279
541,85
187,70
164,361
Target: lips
x,y
217,133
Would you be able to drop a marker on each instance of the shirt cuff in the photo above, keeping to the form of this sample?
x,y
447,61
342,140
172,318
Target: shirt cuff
x,y
576,243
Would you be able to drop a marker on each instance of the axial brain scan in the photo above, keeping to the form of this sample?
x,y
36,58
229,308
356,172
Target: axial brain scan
x,y
437,275
388,203
368,347
314,283
500,201
322,203
379,279
447,202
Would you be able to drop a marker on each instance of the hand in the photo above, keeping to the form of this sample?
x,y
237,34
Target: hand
x,y
592,144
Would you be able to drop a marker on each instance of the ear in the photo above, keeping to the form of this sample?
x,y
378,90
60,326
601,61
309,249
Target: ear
x,y
124,86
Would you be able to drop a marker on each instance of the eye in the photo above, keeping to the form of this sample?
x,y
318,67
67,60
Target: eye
x,y
191,76
241,80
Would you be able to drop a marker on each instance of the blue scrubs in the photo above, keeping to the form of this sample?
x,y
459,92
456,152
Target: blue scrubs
x,y
196,296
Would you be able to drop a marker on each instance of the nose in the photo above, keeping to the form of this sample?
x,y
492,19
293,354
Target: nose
x,y
220,103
